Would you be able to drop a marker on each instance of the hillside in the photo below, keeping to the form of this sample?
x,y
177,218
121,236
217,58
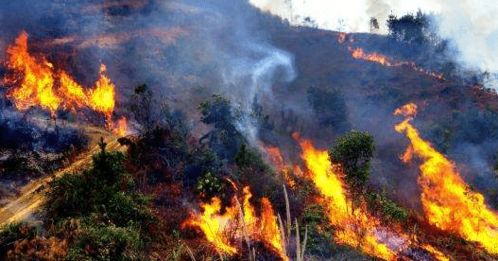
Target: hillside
x,y
228,134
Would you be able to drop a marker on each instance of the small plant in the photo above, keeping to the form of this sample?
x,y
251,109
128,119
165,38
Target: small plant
x,y
209,186
388,208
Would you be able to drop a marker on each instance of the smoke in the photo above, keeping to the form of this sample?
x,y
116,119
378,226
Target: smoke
x,y
184,50
470,25
257,77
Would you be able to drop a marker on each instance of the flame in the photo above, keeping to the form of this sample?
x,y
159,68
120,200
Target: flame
x,y
215,225
447,201
354,227
438,255
121,127
102,96
407,110
37,86
276,158
238,222
269,228
73,93
358,53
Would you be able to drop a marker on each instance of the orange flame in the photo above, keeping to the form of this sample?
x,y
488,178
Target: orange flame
x,y
215,225
447,201
237,223
407,110
121,127
354,227
36,88
276,158
438,255
358,53
102,96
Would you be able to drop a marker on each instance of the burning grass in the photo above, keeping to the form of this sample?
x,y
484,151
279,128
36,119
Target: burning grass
x,y
448,202
237,224
36,83
354,226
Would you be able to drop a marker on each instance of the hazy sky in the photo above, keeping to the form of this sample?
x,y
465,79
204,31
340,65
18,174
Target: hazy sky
x,y
351,15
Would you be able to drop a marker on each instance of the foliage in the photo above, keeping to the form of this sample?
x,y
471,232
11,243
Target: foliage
x,y
201,160
13,232
224,139
209,186
353,153
106,242
252,170
409,28
113,217
387,208
319,231
247,157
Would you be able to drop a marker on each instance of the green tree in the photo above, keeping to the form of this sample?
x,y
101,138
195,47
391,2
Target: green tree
x,y
224,139
353,152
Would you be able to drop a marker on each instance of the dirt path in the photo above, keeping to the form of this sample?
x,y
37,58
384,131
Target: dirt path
x,y
31,196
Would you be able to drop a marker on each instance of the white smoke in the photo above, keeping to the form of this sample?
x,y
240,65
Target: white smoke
x,y
470,25
256,76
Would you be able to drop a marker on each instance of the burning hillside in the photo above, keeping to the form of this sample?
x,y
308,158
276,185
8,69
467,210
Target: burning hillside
x,y
36,83
210,130
448,202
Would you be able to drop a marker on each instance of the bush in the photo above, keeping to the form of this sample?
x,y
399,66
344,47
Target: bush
x,y
106,242
209,186
387,208
112,219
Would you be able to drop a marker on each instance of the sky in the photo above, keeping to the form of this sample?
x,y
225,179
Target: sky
x,y
470,25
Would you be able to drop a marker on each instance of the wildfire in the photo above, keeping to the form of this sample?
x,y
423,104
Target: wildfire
x,y
358,53
37,86
447,201
354,226
238,223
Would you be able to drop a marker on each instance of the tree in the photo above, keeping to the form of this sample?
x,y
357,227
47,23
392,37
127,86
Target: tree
x,y
353,153
224,139
374,24
409,28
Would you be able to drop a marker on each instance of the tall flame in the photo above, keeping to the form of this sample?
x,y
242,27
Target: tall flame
x,y
354,227
39,79
448,202
238,222
36,88
102,96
